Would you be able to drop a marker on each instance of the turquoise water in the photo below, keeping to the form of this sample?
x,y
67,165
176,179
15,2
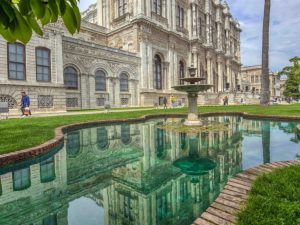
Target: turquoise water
x,y
139,173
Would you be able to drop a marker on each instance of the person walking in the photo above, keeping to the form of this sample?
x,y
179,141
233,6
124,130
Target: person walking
x,y
25,104
165,101
173,99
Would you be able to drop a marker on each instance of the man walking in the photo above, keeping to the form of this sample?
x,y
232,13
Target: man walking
x,y
165,101
25,103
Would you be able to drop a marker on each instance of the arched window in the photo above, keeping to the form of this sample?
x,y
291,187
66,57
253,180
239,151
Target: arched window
x,y
157,72
100,79
123,82
70,78
102,138
125,134
181,72
73,144
47,170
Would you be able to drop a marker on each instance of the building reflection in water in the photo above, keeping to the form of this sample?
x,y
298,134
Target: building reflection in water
x,y
125,173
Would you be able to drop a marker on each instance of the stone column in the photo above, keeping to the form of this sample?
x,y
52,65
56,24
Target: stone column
x,y
141,7
208,66
220,75
112,93
84,91
194,20
59,60
100,13
92,89
150,64
208,29
148,8
174,14
171,67
190,22
144,62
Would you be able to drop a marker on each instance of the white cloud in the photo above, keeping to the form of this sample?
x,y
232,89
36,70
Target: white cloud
x,y
284,30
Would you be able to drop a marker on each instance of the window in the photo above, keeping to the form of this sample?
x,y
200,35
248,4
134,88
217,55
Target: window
x,y
123,82
157,7
100,80
73,144
180,17
100,101
160,143
125,134
157,72
181,72
70,78
72,102
47,170
16,61
42,64
200,27
50,220
102,138
122,4
21,179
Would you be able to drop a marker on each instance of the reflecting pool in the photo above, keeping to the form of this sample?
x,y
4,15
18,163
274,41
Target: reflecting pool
x,y
138,173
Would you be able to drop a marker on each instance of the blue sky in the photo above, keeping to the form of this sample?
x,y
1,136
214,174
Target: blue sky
x,y
284,29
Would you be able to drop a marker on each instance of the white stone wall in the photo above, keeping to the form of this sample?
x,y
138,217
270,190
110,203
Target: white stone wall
x,y
34,88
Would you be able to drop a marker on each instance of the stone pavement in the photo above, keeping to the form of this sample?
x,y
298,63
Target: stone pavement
x,y
230,202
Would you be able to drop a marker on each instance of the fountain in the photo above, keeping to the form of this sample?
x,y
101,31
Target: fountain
x,y
192,90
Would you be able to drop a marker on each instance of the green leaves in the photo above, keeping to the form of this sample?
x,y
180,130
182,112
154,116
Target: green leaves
x,y
18,18
293,78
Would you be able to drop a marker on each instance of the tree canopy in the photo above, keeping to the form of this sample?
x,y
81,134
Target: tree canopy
x,y
293,78
19,18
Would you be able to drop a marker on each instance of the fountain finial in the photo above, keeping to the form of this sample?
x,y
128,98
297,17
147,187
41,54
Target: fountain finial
x,y
192,71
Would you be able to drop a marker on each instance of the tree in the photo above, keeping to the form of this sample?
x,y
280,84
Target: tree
x,y
265,82
19,18
293,78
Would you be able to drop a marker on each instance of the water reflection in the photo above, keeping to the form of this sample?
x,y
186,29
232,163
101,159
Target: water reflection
x,y
125,174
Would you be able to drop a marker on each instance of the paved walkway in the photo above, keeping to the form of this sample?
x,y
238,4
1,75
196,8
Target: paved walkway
x,y
230,202
17,115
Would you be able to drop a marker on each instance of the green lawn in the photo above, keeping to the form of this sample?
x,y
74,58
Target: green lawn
x,y
21,133
274,199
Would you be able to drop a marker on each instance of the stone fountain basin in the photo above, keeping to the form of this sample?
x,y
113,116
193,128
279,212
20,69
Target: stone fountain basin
x,y
193,87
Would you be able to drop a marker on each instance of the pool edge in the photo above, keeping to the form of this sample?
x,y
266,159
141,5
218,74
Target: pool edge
x,y
225,209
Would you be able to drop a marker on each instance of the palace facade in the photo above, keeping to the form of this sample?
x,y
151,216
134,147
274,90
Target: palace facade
x,y
251,82
130,52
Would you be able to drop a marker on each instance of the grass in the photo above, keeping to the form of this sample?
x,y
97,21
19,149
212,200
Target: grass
x,y
274,199
17,134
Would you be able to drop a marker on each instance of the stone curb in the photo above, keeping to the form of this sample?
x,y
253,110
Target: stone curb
x,y
232,199
9,158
